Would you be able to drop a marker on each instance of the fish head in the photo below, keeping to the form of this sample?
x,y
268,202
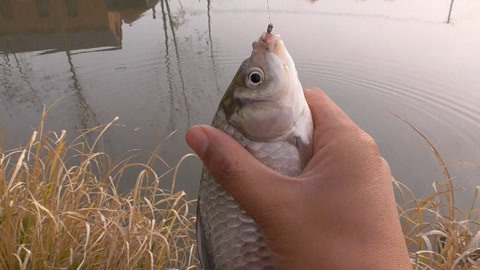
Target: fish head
x,y
265,97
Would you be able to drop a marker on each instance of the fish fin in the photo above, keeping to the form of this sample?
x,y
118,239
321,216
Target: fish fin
x,y
206,262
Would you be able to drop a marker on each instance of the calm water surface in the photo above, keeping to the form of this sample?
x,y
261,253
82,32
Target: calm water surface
x,y
164,65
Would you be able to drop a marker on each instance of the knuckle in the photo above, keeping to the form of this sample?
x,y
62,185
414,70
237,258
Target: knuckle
x,y
386,166
364,142
369,143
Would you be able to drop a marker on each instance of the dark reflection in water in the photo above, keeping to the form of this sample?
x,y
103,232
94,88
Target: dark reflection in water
x,y
172,27
6,9
163,66
211,44
42,8
48,24
87,112
171,121
72,8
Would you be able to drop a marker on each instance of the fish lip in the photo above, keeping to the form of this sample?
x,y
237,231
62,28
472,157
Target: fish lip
x,y
268,38
268,43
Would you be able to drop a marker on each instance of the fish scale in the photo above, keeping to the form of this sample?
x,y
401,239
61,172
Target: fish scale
x,y
236,240
227,237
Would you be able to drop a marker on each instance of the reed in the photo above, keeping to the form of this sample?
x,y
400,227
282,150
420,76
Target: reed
x,y
438,234
60,209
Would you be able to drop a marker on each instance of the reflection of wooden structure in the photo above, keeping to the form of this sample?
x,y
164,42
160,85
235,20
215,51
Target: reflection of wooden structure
x,y
130,10
118,5
33,25
45,16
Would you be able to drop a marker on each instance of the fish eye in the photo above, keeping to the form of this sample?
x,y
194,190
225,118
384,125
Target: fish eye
x,y
254,78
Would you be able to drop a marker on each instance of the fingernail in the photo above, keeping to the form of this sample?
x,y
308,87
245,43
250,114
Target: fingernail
x,y
197,139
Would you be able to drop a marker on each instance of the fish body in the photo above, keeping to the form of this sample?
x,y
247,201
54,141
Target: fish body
x,y
264,109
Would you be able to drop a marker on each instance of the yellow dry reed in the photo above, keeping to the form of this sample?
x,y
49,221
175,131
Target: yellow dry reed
x,y
437,233
60,209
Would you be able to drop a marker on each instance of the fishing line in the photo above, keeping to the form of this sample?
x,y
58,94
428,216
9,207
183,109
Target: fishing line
x,y
268,10
270,25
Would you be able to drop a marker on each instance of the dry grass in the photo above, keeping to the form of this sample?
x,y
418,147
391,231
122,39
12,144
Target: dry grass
x,y
438,234
59,209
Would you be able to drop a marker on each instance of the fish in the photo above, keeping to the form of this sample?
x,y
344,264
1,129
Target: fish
x,y
264,109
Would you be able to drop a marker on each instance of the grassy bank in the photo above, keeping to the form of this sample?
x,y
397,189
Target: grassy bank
x,y
60,209
438,234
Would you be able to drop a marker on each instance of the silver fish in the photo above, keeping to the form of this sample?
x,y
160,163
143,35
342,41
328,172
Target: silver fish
x,y
265,110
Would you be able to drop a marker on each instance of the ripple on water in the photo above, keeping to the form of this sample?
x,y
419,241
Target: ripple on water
x,y
410,87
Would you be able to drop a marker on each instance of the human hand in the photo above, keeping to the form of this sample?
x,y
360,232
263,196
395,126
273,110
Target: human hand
x,y
340,213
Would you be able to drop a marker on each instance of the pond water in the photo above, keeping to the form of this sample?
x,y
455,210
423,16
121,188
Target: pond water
x,y
164,65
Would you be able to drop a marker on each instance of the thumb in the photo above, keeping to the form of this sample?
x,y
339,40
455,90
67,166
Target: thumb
x,y
255,187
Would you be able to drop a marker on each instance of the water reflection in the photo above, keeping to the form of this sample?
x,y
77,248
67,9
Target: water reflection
x,y
70,26
131,10
6,9
211,44
88,118
173,25
24,77
40,25
171,121
61,25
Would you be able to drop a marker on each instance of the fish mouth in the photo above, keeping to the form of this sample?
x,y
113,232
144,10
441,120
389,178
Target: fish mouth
x,y
269,43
